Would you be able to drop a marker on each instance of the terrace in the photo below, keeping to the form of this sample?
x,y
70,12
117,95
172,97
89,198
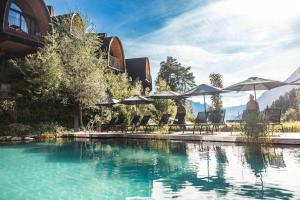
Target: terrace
x,y
115,63
24,25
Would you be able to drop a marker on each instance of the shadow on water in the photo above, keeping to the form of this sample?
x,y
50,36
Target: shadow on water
x,y
145,161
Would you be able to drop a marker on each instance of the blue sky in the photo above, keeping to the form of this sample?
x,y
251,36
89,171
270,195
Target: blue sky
x,y
237,38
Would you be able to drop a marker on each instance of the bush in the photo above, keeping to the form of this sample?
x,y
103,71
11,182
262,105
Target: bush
x,y
18,129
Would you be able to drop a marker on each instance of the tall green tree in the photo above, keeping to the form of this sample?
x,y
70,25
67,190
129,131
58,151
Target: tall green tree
x,y
216,80
163,106
70,66
177,77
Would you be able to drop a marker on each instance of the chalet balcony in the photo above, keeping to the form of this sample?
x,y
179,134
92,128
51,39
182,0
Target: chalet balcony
x,y
149,78
22,30
22,24
115,63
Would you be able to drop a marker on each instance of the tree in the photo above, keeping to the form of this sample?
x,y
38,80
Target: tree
x,y
70,66
217,104
177,77
83,70
163,106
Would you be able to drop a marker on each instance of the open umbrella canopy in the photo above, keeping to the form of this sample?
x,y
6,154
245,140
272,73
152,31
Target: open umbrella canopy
x,y
165,95
108,102
255,83
203,89
136,100
296,82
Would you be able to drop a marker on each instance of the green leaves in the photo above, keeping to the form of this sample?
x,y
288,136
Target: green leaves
x,y
216,80
178,77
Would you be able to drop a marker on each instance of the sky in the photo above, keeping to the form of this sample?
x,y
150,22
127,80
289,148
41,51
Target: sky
x,y
237,38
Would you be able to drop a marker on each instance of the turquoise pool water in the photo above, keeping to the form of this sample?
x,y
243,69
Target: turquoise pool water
x,y
139,169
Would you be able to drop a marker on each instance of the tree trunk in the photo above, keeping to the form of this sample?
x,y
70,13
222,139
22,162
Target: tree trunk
x,y
77,117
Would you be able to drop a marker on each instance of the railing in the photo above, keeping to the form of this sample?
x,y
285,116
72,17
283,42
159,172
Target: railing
x,y
17,21
115,63
149,78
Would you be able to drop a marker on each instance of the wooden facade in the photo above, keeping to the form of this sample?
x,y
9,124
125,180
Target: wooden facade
x,y
23,24
139,69
114,53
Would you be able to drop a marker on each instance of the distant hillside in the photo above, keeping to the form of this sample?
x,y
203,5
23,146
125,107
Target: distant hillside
x,y
267,98
231,112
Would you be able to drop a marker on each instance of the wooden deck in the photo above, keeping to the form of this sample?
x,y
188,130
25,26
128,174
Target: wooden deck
x,y
284,138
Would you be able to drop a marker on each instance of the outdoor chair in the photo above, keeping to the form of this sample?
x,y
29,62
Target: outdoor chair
x,y
200,122
179,122
119,125
164,120
217,119
133,124
109,124
272,117
144,123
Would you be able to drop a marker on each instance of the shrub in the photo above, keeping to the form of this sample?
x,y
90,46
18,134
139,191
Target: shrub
x,y
18,129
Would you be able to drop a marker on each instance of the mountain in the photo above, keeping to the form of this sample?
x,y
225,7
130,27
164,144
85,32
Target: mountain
x,y
231,112
267,98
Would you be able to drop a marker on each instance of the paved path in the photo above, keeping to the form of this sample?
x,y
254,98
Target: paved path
x,y
285,138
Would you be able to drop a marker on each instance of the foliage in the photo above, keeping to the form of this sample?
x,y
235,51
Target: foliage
x,y
290,114
119,85
21,129
217,104
163,106
177,77
289,105
18,129
68,69
38,75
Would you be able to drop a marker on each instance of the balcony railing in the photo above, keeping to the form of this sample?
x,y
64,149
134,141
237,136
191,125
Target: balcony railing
x,y
115,63
149,78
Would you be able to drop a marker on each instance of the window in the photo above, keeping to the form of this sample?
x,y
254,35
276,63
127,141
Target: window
x,y
19,21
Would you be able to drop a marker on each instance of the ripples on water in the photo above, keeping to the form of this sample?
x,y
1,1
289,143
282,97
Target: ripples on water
x,y
140,169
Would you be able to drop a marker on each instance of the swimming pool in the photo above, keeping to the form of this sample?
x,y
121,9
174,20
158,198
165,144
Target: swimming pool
x,y
143,169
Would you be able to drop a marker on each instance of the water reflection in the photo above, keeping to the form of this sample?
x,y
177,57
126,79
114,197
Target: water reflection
x,y
142,167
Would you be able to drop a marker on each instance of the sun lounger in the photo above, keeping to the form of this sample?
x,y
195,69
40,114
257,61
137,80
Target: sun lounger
x,y
144,122
272,117
163,121
133,124
119,124
200,122
179,122
109,124
218,120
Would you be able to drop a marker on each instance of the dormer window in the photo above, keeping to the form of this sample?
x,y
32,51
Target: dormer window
x,y
20,21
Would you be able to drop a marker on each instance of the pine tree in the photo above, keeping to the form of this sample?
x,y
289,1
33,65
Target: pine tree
x,y
177,77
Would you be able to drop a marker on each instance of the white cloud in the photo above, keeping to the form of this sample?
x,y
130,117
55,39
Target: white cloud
x,y
237,38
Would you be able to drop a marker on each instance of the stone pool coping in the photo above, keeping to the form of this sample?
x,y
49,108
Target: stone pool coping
x,y
284,138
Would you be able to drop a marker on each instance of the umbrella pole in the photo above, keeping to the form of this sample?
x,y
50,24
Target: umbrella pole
x,y
254,92
204,105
